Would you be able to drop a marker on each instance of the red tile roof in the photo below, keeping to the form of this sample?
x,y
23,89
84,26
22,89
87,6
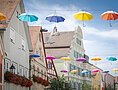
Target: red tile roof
x,y
34,34
7,7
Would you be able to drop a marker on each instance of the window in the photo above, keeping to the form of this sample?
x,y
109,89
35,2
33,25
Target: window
x,y
23,44
75,54
12,35
46,39
78,71
78,41
20,70
26,72
72,67
7,64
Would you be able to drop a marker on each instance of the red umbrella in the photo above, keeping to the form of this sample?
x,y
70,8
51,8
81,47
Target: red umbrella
x,y
50,57
109,15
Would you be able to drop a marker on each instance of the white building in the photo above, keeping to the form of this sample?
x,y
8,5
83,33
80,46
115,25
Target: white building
x,y
16,43
68,44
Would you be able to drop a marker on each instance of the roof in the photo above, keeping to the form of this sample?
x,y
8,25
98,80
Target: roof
x,y
59,46
7,7
64,39
34,34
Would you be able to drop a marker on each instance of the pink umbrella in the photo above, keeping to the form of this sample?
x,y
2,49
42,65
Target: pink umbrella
x,y
81,59
64,71
95,70
50,57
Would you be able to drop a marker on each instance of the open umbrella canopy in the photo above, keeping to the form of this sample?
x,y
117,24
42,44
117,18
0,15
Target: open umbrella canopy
x,y
95,70
115,69
66,58
81,59
96,59
109,15
105,71
111,58
55,18
64,71
2,17
34,55
85,72
83,16
27,17
73,71
50,57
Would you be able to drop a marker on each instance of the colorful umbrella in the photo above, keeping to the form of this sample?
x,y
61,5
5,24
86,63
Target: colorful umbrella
x,y
64,71
2,17
55,18
109,15
73,71
81,59
111,58
105,71
115,69
83,16
27,17
34,55
50,57
65,58
95,70
96,59
85,72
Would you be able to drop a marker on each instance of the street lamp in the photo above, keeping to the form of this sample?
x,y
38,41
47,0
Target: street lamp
x,y
12,68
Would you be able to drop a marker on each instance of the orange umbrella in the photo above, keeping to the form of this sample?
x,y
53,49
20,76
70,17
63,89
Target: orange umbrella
x,y
109,15
2,16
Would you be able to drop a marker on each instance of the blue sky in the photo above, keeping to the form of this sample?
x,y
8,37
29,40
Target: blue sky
x,y
99,39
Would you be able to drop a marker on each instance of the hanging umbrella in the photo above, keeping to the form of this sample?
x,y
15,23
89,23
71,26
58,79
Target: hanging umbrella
x,y
73,71
95,70
50,57
111,58
85,72
83,16
34,55
81,59
65,71
109,15
65,58
2,17
27,17
55,18
105,71
115,69
96,59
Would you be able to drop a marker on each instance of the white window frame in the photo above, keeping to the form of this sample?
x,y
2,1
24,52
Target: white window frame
x,y
16,67
21,70
7,64
23,45
12,35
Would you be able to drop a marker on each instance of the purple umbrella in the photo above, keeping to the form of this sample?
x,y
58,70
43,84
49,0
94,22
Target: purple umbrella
x,y
81,59
50,57
64,71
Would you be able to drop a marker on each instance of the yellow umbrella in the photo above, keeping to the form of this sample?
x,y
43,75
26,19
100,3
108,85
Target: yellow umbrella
x,y
73,71
115,69
66,58
2,16
83,16
96,59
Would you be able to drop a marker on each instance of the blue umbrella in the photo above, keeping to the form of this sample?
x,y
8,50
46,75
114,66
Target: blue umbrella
x,y
34,56
55,18
27,17
85,72
110,58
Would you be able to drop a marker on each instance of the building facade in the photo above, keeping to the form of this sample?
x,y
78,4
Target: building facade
x,y
68,44
38,64
16,47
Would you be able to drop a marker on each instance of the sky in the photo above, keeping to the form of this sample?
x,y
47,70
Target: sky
x,y
100,40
